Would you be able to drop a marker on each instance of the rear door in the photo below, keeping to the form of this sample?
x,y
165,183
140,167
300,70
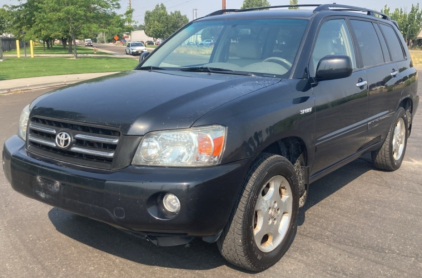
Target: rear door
x,y
382,73
341,105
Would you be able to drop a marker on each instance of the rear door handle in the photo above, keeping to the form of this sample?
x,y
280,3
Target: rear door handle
x,y
361,83
394,73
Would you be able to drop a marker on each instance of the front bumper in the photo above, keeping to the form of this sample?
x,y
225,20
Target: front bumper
x,y
137,51
128,198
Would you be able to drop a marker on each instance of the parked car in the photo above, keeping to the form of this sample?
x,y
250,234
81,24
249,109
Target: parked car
x,y
207,42
223,145
135,48
88,42
150,43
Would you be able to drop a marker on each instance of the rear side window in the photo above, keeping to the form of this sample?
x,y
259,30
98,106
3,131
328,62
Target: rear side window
x,y
394,45
368,42
383,44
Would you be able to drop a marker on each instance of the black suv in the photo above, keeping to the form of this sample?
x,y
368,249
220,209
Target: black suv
x,y
222,142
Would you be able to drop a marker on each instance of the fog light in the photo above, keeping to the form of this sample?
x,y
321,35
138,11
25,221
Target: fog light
x,y
171,203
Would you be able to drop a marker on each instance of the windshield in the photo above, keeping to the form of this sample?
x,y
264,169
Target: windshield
x,y
260,46
137,44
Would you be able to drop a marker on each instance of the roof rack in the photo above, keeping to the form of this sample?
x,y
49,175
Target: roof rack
x,y
339,7
220,12
319,7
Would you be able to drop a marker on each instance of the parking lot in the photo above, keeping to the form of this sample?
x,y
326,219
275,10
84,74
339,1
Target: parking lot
x,y
358,222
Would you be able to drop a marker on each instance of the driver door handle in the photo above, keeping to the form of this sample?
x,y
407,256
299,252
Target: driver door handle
x,y
361,83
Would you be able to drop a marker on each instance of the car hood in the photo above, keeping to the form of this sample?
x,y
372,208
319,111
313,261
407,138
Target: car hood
x,y
137,102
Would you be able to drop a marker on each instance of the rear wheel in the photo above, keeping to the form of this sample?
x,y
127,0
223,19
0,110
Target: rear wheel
x,y
390,156
264,223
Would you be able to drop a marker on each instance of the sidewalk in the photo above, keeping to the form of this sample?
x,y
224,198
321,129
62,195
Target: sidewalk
x,y
26,84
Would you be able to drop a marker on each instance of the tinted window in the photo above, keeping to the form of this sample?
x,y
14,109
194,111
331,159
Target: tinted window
x,y
383,44
137,44
368,42
394,45
333,39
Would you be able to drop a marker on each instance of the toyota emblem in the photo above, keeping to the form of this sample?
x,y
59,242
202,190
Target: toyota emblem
x,y
63,140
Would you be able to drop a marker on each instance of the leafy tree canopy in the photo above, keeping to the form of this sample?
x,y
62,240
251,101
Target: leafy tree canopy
x,y
409,23
160,24
248,4
293,2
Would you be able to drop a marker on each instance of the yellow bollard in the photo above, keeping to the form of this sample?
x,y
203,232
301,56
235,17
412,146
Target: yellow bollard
x,y
31,45
18,50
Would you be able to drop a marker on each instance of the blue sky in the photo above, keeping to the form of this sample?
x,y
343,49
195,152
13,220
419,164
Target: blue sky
x,y
207,6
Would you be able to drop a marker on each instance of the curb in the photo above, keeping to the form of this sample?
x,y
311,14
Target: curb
x,y
46,85
36,87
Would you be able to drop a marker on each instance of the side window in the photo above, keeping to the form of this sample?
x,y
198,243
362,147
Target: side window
x,y
128,45
333,39
393,43
368,42
383,44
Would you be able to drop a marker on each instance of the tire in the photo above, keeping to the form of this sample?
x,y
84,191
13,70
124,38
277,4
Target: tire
x,y
246,240
390,156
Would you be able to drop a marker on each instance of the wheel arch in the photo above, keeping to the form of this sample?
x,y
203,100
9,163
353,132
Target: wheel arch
x,y
295,149
407,104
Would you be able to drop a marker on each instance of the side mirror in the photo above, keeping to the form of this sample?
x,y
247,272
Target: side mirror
x,y
334,67
143,56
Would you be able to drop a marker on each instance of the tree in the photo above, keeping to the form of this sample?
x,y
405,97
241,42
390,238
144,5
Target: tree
x,y
293,2
156,22
78,16
160,24
410,23
5,21
139,27
176,21
248,4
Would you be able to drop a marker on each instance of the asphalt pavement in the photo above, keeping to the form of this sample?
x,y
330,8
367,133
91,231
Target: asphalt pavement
x,y
358,222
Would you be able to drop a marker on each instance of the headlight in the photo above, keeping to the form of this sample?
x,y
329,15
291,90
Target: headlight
x,y
200,146
23,122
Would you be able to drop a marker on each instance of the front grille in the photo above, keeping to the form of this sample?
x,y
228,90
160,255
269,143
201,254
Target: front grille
x,y
89,145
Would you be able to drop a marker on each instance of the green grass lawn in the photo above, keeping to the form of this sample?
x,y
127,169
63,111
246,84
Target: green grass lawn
x,y
12,68
57,49
152,46
416,57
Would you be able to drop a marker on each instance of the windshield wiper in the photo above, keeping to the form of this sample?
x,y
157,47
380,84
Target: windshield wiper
x,y
151,68
216,70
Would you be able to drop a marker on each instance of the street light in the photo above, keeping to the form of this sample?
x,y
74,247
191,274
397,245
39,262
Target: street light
x,y
24,44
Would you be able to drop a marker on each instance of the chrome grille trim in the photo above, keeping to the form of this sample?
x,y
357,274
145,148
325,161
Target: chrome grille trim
x,y
92,146
97,139
42,128
41,141
92,152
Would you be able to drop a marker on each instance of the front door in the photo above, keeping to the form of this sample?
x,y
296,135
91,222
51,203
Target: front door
x,y
341,105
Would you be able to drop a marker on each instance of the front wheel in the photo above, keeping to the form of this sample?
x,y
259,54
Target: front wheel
x,y
264,223
390,156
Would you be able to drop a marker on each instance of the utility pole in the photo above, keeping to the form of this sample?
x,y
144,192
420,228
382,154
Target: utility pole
x,y
224,4
195,14
130,4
